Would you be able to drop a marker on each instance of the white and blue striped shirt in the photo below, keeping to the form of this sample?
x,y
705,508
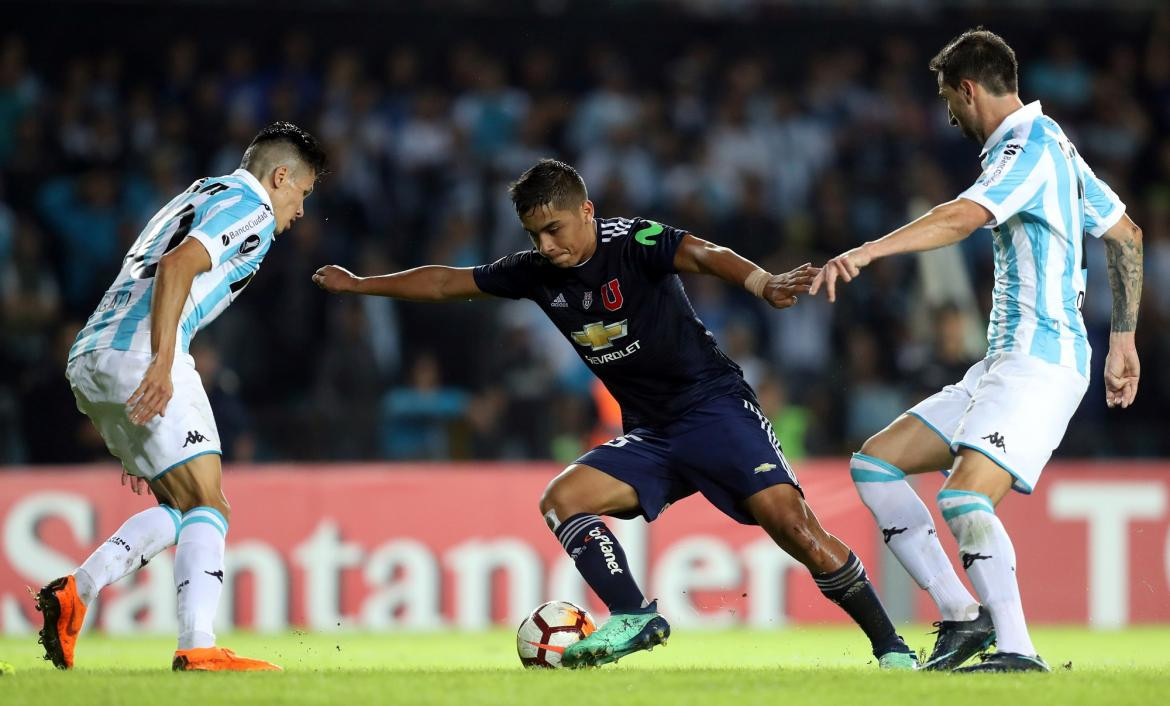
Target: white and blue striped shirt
x,y
1043,198
231,216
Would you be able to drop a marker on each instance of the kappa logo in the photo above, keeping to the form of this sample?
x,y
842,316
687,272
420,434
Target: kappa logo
x,y
599,335
764,467
969,559
888,534
560,302
997,441
194,437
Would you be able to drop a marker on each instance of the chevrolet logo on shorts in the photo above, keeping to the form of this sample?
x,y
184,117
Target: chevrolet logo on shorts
x,y
600,336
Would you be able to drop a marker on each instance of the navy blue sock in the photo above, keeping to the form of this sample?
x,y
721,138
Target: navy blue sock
x,y
601,561
849,587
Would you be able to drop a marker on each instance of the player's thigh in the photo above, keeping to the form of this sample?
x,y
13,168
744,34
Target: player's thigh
x,y
729,452
102,381
584,489
974,472
919,441
1018,415
910,445
783,513
626,477
195,483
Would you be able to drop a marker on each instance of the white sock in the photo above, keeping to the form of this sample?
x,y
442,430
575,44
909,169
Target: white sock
x,y
908,530
199,575
990,561
136,542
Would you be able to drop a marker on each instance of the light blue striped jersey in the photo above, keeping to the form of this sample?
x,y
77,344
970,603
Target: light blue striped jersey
x,y
231,216
1043,198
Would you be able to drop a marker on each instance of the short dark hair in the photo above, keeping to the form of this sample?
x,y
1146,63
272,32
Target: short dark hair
x,y
306,148
981,56
548,181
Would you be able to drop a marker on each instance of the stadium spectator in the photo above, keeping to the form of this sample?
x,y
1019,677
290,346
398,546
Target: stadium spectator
x,y
785,152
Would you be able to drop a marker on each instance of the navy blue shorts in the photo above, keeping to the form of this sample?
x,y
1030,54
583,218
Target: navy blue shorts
x,y
724,449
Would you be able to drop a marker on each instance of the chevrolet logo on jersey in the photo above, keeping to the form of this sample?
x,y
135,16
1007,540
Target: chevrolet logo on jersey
x,y
600,336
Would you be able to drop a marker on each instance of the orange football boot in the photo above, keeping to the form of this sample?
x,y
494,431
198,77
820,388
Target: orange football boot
x,y
64,613
218,659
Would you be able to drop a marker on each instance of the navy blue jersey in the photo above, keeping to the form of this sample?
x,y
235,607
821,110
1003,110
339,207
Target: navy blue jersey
x,y
626,314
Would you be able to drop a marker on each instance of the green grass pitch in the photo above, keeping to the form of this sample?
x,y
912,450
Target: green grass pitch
x,y
822,666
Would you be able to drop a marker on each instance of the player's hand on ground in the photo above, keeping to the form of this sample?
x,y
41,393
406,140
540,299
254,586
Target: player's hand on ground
x,y
781,291
335,279
137,485
1122,371
152,395
845,266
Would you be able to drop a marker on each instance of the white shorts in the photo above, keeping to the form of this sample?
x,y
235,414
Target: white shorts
x,y
1011,407
103,380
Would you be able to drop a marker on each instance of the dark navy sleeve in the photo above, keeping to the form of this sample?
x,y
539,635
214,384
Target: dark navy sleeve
x,y
512,276
651,246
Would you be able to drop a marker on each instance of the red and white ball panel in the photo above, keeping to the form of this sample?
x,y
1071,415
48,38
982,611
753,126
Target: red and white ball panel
x,y
544,635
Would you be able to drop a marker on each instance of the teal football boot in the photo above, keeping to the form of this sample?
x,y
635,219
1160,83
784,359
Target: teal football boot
x,y
621,635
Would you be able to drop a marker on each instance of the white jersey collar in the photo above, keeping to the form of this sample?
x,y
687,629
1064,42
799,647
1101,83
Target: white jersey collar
x,y
254,183
1030,111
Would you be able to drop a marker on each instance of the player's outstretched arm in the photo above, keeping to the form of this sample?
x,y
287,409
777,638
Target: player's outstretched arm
x,y
1123,253
172,285
430,283
944,225
702,257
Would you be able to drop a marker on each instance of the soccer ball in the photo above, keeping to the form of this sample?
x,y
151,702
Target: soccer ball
x,y
544,635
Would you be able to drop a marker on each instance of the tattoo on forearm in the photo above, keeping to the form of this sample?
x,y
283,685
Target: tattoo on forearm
x,y
1125,279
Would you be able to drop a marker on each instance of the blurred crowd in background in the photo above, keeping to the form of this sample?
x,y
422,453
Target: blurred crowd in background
x,y
789,141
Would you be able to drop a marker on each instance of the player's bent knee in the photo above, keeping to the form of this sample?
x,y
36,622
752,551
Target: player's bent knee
x,y
877,446
781,510
559,502
796,527
219,504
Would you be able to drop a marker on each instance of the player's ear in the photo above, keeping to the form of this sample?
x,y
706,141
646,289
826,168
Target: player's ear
x,y
279,176
967,89
587,209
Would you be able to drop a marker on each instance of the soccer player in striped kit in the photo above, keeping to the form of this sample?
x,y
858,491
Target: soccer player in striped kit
x,y
994,430
131,373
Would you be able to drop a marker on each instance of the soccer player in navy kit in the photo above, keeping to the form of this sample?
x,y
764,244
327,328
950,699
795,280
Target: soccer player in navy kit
x,y
692,423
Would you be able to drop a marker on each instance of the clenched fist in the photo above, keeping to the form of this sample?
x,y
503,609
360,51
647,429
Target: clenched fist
x,y
333,278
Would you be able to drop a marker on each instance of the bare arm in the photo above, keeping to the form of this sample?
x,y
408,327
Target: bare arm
x,y
172,286
701,257
1123,253
430,283
944,225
